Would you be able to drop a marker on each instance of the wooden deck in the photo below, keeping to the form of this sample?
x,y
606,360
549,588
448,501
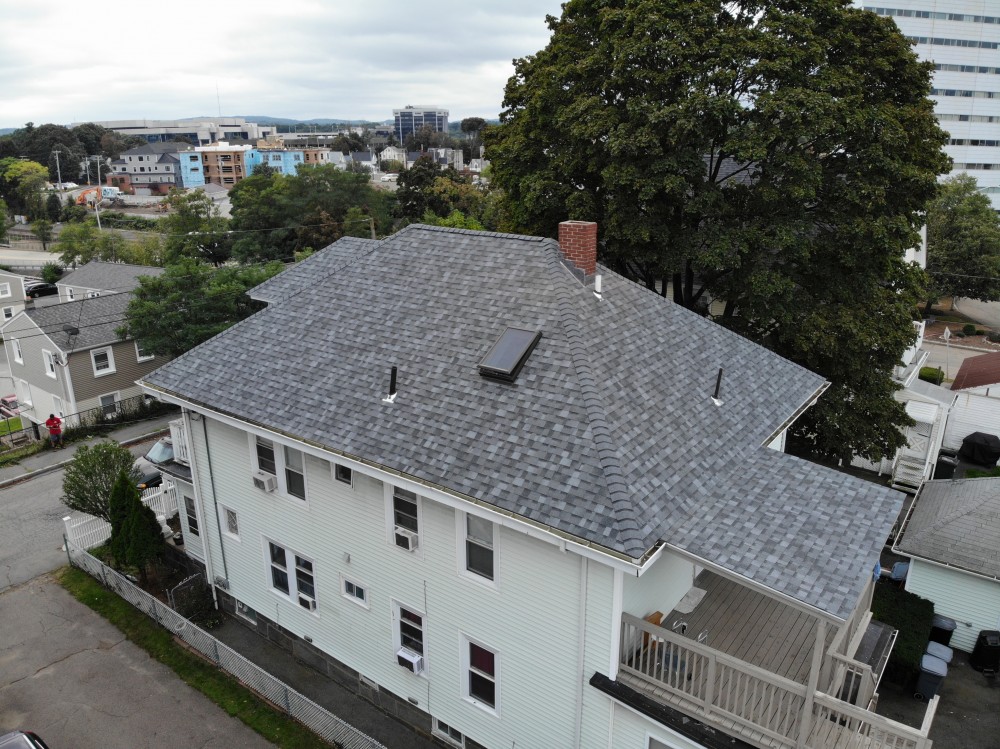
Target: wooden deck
x,y
750,626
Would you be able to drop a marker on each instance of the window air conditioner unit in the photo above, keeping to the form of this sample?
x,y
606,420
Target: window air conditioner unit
x,y
265,481
407,539
221,582
410,660
307,603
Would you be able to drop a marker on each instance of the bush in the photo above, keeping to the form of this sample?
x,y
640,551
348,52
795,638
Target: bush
x,y
980,332
969,329
119,220
912,616
993,337
932,374
51,272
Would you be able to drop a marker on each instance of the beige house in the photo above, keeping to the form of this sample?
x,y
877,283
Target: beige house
x,y
67,358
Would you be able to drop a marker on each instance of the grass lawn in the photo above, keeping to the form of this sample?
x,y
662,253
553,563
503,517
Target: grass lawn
x,y
222,689
13,424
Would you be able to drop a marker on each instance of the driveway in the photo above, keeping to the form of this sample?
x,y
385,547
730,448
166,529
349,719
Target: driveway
x,y
986,313
74,679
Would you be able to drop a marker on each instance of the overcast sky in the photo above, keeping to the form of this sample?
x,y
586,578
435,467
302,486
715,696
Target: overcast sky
x,y
67,61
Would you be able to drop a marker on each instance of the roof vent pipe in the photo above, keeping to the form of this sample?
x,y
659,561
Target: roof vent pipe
x,y
718,389
598,286
391,398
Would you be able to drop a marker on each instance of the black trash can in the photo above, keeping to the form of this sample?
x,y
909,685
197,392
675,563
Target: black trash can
x,y
946,466
986,654
932,673
942,629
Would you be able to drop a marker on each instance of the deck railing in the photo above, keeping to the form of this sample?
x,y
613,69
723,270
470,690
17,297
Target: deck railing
x,y
772,710
88,531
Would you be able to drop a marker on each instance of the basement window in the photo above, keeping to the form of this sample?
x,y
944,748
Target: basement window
x,y
506,357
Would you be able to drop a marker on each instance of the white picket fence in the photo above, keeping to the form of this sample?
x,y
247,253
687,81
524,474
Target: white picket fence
x,y
86,531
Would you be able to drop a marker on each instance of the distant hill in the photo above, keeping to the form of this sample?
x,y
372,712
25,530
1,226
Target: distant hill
x,y
7,130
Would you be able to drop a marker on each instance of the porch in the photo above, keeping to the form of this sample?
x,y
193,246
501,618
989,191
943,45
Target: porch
x,y
766,672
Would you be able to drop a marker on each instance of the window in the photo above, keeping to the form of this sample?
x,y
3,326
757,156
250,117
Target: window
x,y
483,676
4,289
232,522
16,346
109,403
50,363
8,312
449,734
343,474
354,592
408,629
103,360
265,456
192,516
292,575
479,558
142,354
295,474
57,406
405,519
93,294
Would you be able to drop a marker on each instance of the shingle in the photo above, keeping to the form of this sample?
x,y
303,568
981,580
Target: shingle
x,y
82,324
609,433
111,277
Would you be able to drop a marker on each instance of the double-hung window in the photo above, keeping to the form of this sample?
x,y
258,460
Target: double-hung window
x,y
103,360
16,346
482,676
49,359
292,575
479,548
4,289
295,473
265,456
405,518
192,516
285,463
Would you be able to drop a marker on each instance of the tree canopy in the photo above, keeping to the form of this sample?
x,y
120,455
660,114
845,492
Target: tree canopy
x,y
963,243
21,185
191,302
774,156
90,476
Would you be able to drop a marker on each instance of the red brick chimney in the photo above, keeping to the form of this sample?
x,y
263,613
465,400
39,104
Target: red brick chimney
x,y
578,241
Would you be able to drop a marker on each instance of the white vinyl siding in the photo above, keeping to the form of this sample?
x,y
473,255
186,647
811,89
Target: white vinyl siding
x,y
973,602
536,621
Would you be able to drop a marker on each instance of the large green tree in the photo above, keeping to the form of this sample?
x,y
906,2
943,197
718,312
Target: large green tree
x,y
21,185
963,243
773,155
90,476
194,228
191,302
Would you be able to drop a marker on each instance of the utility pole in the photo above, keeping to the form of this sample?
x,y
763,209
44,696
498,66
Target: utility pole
x,y
100,194
58,170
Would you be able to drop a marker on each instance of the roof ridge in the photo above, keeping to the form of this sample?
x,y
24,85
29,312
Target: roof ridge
x,y
626,521
969,506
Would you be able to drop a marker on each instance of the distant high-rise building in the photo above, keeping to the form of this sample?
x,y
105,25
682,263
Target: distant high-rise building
x,y
962,39
411,118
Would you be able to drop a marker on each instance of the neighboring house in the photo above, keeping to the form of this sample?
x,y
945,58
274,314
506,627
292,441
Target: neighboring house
x,y
67,358
979,374
98,278
365,159
392,153
12,297
157,168
516,507
224,163
281,160
952,536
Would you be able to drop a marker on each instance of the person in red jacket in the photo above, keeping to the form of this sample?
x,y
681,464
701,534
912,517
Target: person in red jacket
x,y
54,425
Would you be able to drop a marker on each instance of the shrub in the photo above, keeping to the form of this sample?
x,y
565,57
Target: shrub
x,y
932,374
969,329
993,337
912,616
959,335
51,272
980,332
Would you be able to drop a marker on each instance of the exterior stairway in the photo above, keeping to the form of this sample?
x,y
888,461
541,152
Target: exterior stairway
x,y
910,472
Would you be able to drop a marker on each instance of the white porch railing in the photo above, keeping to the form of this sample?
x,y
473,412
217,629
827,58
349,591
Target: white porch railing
x,y
751,703
88,531
178,437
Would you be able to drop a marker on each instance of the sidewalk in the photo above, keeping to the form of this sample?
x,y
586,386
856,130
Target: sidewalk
x,y
322,690
51,460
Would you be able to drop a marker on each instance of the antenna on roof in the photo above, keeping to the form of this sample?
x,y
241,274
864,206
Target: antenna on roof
x,y
70,330
391,398
718,388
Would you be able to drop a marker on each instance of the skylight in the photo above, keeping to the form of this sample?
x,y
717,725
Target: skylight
x,y
505,359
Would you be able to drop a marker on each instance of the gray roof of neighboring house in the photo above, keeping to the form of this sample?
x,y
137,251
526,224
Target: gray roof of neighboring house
x,y
608,435
110,277
82,324
304,274
956,522
933,392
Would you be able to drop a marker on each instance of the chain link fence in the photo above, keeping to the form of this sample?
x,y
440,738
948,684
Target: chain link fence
x,y
298,706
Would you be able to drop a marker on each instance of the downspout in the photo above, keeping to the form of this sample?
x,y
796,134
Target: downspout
x,y
196,484
581,650
69,402
215,503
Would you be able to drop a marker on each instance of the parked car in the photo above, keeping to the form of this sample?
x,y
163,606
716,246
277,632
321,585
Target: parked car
x,y
22,740
9,406
33,291
149,464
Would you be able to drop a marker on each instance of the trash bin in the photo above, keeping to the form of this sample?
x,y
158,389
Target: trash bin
x,y
940,651
945,467
942,629
986,654
932,673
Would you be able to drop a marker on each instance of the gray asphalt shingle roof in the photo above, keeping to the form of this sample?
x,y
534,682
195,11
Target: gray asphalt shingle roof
x,y
609,434
304,274
956,522
93,320
111,277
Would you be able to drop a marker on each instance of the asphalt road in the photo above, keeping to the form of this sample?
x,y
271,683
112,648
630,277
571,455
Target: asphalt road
x,y
64,671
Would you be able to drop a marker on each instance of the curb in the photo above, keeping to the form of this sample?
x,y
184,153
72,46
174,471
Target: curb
x,y
62,464
962,348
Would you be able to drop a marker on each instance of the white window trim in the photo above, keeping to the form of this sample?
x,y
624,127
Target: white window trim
x,y
58,406
461,519
333,468
70,294
224,523
390,525
16,348
397,641
26,401
139,357
279,466
116,394
8,313
48,358
92,294
197,530
446,738
292,596
466,665
111,361
5,290
365,602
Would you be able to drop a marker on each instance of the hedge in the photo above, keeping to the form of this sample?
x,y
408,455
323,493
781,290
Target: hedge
x,y
912,616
